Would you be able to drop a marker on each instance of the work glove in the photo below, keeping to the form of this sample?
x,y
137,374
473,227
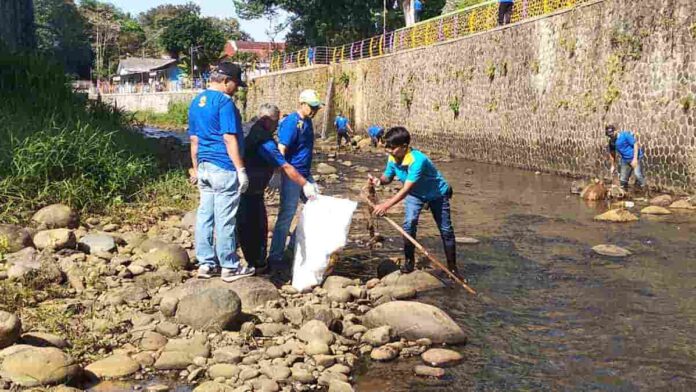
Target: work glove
x,y
310,190
243,180
274,184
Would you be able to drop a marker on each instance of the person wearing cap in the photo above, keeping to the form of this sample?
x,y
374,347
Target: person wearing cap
x,y
343,129
296,143
262,158
625,148
215,130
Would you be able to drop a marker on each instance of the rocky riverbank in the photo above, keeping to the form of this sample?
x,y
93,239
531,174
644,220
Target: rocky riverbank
x,y
91,298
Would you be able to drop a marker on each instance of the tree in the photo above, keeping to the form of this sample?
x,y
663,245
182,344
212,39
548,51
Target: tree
x,y
230,28
62,34
104,26
131,37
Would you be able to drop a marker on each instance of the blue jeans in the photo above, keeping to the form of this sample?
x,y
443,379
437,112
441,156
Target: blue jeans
x,y
219,190
290,193
440,209
626,170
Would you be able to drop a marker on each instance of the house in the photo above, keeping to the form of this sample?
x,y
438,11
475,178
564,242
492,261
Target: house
x,y
262,50
140,71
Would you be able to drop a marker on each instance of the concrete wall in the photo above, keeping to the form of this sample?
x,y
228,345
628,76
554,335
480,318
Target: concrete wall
x,y
156,102
534,95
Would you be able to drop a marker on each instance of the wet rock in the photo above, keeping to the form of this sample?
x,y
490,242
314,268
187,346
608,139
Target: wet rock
x,y
413,320
252,291
170,256
403,292
168,306
441,357
418,280
655,210
10,329
323,168
340,386
353,330
114,366
157,388
616,215
56,216
212,386
327,378
173,360
194,347
467,240
55,239
145,359
611,250
38,366
661,201
224,370
315,330
43,339
97,243
428,371
152,341
595,191
384,353
377,336
213,309
682,205
339,295
16,237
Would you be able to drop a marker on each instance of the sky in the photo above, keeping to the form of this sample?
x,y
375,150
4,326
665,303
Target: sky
x,y
220,8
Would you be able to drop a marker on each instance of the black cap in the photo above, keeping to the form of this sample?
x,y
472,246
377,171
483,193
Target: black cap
x,y
233,71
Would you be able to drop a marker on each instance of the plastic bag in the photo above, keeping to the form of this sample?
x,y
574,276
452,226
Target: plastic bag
x,y
322,230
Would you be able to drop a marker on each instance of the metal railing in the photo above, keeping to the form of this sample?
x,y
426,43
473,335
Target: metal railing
x,y
457,24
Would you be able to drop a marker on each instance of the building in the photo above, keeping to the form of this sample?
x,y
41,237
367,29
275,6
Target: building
x,y
137,74
262,51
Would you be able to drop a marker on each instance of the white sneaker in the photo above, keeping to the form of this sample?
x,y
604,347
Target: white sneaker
x,y
205,272
230,275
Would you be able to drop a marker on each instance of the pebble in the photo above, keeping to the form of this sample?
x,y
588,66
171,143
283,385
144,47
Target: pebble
x,y
384,353
611,251
157,388
441,357
428,371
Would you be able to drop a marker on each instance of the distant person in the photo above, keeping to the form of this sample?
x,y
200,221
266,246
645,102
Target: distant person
x,y
215,130
417,10
375,132
311,53
423,185
625,148
343,129
262,158
505,8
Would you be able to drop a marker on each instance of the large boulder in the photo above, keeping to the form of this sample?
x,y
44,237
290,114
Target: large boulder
x,y
213,309
38,366
14,238
97,243
418,280
315,331
56,216
661,201
655,210
252,291
414,320
55,239
114,366
171,256
595,191
682,205
10,329
618,215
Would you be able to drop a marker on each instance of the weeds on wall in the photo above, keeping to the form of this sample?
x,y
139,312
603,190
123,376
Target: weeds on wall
x,y
615,69
454,107
534,67
563,104
692,29
687,102
569,45
344,79
490,71
625,44
492,106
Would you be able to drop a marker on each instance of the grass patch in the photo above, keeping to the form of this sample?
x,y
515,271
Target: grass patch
x,y
175,118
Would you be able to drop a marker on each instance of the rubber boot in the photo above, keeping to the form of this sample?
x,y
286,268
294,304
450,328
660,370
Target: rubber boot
x,y
408,266
451,255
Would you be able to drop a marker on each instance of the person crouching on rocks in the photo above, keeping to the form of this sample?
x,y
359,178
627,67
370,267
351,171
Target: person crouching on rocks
x,y
376,133
423,184
626,148
262,158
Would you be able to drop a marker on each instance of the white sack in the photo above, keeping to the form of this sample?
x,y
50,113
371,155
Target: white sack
x,y
322,230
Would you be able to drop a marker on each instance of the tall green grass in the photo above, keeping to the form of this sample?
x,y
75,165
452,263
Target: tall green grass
x,y
57,146
176,117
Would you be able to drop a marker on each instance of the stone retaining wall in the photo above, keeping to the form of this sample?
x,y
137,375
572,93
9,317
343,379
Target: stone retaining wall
x,y
156,102
534,95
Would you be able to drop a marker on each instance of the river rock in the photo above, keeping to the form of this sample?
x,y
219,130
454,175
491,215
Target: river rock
x,y
10,329
335,281
377,336
617,215
97,243
414,320
467,240
682,205
212,386
213,309
152,244
418,280
428,371
655,210
152,341
43,339
55,239
16,237
171,256
56,216
114,366
133,239
611,250
593,192
173,360
277,372
339,295
38,366
384,353
316,347
224,370
661,201
228,354
340,386
315,330
252,291
303,375
441,357
188,222
248,374
323,168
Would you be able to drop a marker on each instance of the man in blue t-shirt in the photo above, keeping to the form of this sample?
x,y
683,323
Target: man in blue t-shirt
x,y
417,10
343,129
423,184
625,148
262,158
505,8
375,132
215,130
296,143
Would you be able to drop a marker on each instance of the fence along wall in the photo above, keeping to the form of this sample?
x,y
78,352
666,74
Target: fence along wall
x,y
534,95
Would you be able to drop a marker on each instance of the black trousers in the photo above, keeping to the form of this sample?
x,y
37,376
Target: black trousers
x,y
340,136
504,13
252,228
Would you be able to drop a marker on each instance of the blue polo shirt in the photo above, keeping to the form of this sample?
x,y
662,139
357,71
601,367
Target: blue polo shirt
x,y
213,114
624,145
375,131
270,153
429,184
341,124
297,135
417,5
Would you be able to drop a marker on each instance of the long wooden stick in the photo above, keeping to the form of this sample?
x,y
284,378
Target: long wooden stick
x,y
425,252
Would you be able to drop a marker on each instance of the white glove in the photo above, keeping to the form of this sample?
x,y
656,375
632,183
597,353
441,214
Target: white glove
x,y
243,180
310,190
274,184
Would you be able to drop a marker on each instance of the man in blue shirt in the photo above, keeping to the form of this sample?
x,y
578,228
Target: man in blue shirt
x,y
343,129
418,10
262,158
423,184
505,8
375,132
625,148
215,130
296,143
